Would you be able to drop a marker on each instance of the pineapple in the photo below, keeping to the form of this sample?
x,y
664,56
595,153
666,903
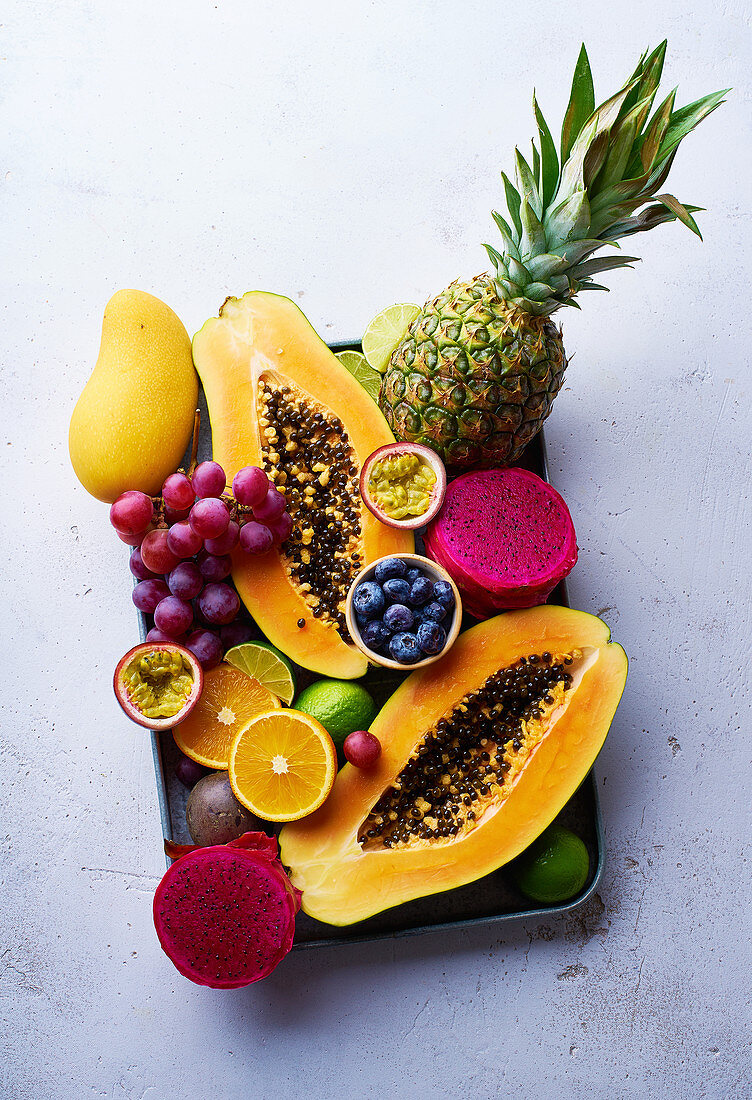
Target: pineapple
x,y
477,371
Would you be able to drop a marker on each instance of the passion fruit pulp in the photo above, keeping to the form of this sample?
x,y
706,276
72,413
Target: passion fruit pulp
x,y
158,684
403,484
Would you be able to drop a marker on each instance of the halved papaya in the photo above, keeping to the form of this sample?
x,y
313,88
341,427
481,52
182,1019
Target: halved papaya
x,y
480,752
280,399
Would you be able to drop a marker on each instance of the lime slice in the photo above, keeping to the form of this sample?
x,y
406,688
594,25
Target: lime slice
x,y
357,364
385,331
267,665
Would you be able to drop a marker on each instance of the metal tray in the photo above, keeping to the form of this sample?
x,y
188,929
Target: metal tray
x,y
491,900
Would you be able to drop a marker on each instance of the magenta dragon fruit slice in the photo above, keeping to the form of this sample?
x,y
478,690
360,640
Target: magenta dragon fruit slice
x,y
225,914
505,537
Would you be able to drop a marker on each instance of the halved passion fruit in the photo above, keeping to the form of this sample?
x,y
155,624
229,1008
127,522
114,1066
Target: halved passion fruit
x,y
403,484
158,684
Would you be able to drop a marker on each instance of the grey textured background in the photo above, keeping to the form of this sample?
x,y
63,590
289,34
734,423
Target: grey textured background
x,y
347,154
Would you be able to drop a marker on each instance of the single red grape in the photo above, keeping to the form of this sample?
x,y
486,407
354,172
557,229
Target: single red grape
x,y
174,515
255,538
185,580
218,603
131,513
189,771
156,553
183,540
138,569
147,594
206,647
250,486
173,616
209,517
157,635
177,492
281,528
361,749
214,567
208,480
223,544
271,507
134,540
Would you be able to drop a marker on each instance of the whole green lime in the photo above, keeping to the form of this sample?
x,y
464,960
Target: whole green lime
x,y
340,705
554,868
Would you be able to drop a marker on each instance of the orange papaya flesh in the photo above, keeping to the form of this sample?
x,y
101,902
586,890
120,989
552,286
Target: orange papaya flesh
x,y
262,365
347,874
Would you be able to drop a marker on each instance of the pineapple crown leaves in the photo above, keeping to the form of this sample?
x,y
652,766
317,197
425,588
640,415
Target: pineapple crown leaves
x,y
600,185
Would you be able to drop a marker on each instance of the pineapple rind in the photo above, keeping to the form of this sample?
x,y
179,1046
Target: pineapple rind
x,y
473,378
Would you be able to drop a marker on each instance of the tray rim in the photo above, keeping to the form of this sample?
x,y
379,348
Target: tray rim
x,y
423,929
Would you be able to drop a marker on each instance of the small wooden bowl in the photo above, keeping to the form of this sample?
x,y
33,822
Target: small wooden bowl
x,y
432,570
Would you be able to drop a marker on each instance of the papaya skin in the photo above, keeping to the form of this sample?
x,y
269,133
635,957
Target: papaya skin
x,y
133,421
342,883
253,335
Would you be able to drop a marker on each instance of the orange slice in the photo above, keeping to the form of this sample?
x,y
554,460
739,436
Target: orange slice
x,y
228,701
282,765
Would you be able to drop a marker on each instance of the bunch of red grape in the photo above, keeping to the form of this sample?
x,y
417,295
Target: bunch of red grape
x,y
182,565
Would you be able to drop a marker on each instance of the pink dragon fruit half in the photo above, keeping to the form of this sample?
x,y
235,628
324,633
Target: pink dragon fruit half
x,y
505,537
225,914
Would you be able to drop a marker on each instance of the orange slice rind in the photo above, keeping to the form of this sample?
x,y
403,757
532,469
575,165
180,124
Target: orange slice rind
x,y
282,765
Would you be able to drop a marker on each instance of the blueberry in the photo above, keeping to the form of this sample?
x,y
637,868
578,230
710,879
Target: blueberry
x,y
375,635
368,600
442,591
398,617
392,567
405,649
412,575
421,591
431,637
433,611
396,590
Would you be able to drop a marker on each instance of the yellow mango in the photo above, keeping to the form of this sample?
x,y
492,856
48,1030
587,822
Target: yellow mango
x,y
133,421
